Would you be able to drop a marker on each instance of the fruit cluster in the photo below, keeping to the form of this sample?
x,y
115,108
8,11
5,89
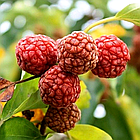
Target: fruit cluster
x,y
58,63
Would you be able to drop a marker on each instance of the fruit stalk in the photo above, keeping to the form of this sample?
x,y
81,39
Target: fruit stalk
x,y
69,136
20,81
25,80
100,22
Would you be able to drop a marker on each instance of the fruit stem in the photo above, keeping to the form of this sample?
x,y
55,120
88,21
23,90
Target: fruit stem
x,y
20,81
25,80
101,22
43,127
69,136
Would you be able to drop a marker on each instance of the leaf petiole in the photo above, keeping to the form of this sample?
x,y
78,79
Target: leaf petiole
x,y
101,22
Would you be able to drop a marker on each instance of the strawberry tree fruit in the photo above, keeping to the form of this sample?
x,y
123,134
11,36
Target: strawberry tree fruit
x,y
36,53
113,56
59,88
62,119
77,52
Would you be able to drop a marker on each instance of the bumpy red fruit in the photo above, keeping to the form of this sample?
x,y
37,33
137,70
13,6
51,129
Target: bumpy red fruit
x,y
62,119
113,56
59,88
36,53
77,53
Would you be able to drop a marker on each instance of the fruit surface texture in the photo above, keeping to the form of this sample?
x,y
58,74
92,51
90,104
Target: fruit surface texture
x,y
36,53
62,119
113,56
59,88
77,52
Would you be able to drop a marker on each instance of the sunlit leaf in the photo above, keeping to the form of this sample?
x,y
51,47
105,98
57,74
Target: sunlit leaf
x,y
108,29
130,13
131,112
83,101
19,129
88,132
96,88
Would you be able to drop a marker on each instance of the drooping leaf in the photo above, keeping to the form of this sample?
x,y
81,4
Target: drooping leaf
x,y
130,13
7,94
88,132
131,111
114,122
19,129
25,97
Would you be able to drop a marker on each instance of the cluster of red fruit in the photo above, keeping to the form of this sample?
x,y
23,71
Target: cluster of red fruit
x,y
60,62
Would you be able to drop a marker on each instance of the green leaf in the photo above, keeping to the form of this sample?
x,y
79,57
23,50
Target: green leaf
x,y
88,132
131,111
130,13
25,97
19,129
84,97
34,101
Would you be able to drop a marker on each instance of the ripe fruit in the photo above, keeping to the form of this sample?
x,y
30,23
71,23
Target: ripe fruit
x,y
36,53
77,52
62,119
113,56
59,88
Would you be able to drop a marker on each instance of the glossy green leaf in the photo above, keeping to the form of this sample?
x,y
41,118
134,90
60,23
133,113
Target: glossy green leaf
x,y
19,129
88,132
131,111
130,13
84,97
25,97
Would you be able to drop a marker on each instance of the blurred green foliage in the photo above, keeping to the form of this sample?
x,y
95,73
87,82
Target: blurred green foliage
x,y
121,99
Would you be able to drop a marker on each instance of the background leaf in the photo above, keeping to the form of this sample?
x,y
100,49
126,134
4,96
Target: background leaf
x,y
130,13
88,132
114,122
25,97
131,111
96,88
22,130
84,97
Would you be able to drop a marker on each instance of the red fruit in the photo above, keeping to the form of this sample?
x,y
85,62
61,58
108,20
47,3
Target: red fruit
x,y
36,53
113,56
58,88
62,119
77,53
